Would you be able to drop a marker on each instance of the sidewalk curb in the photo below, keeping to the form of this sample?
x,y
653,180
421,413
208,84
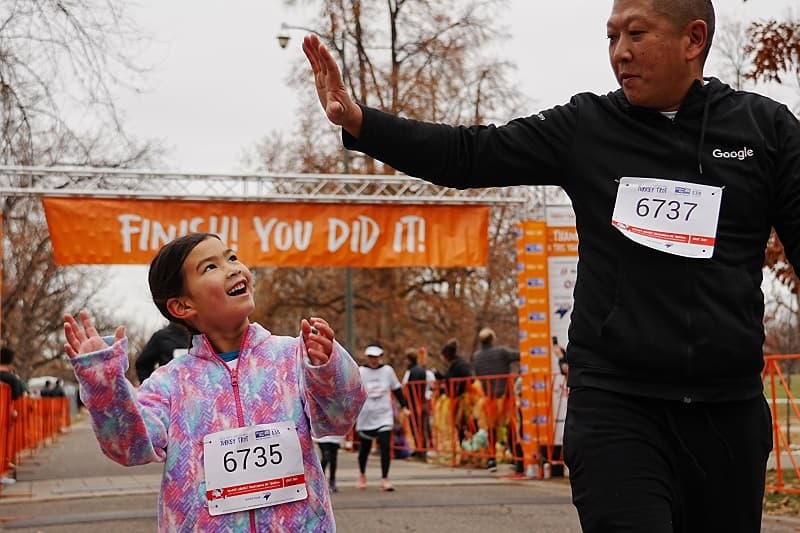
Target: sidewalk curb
x,y
49,480
99,487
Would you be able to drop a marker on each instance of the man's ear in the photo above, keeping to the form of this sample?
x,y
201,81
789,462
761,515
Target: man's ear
x,y
697,32
180,308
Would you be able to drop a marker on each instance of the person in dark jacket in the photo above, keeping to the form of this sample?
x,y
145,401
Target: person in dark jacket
x,y
454,384
676,181
161,349
419,382
494,364
7,373
457,369
491,360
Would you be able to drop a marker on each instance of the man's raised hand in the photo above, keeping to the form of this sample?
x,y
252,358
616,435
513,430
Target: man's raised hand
x,y
333,96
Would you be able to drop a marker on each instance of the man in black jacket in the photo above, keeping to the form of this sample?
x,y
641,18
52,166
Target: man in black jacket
x,y
676,181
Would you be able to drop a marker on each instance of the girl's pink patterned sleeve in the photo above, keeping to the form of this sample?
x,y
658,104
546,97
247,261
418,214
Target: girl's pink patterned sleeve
x,y
128,432
334,393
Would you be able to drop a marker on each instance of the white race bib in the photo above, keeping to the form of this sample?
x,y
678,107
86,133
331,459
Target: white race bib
x,y
253,467
675,217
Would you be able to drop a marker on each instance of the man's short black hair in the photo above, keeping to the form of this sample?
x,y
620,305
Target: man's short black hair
x,y
682,12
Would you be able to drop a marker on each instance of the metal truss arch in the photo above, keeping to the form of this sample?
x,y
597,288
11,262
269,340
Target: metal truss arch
x,y
313,188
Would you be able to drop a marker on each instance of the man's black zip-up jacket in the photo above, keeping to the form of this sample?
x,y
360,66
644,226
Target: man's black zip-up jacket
x,y
645,322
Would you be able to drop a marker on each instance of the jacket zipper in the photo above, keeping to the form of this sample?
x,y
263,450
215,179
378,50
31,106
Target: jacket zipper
x,y
687,398
234,375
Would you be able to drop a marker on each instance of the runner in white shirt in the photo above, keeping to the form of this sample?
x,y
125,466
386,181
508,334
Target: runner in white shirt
x,y
376,418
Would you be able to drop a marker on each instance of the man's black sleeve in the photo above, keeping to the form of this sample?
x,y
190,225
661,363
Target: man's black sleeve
x,y
786,214
534,150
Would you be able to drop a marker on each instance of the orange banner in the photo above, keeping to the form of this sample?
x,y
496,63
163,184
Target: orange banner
x,y
534,335
119,231
562,241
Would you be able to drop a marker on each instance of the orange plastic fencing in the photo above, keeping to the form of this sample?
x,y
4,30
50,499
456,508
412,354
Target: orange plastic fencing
x,y
784,406
28,423
463,424
468,421
6,418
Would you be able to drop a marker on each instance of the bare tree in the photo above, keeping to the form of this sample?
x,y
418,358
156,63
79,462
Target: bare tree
x,y
60,63
781,321
730,43
422,59
419,58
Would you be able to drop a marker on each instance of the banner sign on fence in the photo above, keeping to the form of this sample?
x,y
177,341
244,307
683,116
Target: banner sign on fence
x,y
562,267
547,263
125,231
534,332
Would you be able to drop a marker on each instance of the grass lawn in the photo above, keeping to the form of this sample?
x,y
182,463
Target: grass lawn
x,y
794,386
782,504
785,414
775,503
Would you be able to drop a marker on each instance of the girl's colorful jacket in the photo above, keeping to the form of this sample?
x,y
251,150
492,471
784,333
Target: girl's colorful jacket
x,y
166,419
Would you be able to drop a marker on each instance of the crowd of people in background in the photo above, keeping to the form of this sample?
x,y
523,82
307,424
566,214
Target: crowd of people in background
x,y
471,407
53,389
475,404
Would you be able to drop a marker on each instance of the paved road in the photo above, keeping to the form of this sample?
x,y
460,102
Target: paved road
x,y
69,487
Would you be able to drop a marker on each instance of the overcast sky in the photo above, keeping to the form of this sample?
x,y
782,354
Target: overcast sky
x,y
219,81
218,85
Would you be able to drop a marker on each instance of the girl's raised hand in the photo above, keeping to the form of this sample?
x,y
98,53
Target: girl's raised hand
x,y
83,338
318,337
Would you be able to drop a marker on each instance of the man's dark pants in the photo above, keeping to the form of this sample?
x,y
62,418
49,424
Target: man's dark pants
x,y
657,466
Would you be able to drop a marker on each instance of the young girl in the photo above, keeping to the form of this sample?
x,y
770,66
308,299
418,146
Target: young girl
x,y
233,420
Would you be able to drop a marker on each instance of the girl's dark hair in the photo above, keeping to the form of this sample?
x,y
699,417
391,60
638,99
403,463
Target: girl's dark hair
x,y
166,273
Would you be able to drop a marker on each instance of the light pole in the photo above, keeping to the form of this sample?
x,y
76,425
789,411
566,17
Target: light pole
x,y
283,41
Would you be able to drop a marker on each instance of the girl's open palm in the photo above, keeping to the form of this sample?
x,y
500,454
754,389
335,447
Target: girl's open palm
x,y
83,338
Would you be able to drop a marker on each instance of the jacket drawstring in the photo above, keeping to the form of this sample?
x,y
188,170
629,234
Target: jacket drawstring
x,y
703,125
